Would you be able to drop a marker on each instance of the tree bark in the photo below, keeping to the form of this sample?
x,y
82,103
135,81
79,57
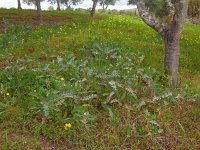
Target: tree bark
x,y
169,7
94,8
171,59
103,5
39,10
58,5
148,19
170,33
106,7
19,4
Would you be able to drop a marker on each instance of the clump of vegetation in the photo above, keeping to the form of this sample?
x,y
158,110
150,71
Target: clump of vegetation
x,y
95,89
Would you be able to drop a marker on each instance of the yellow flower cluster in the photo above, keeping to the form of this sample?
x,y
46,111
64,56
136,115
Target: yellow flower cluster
x,y
62,79
67,125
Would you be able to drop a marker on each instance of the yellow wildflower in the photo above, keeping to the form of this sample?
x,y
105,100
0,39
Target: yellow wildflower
x,y
7,94
67,125
62,79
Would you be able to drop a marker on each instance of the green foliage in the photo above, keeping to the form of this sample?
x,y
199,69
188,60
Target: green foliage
x,y
68,3
103,76
75,84
157,7
31,2
105,3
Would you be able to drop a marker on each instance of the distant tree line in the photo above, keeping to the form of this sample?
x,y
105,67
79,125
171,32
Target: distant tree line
x,y
155,6
66,3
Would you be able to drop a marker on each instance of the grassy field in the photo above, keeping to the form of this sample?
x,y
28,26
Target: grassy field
x,y
72,82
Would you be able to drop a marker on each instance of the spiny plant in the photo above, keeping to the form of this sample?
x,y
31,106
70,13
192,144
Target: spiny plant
x,y
97,75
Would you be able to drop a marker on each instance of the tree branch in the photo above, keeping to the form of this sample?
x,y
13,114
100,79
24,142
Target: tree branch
x,y
180,11
170,7
148,19
181,7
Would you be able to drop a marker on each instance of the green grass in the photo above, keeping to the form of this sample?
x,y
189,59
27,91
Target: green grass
x,y
113,93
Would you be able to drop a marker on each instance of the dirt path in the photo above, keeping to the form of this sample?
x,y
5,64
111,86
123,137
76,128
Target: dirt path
x,y
46,20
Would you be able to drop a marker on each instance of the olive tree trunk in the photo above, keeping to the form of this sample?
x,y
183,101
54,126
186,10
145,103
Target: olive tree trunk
x,y
171,59
19,4
94,7
58,5
105,7
39,10
170,32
